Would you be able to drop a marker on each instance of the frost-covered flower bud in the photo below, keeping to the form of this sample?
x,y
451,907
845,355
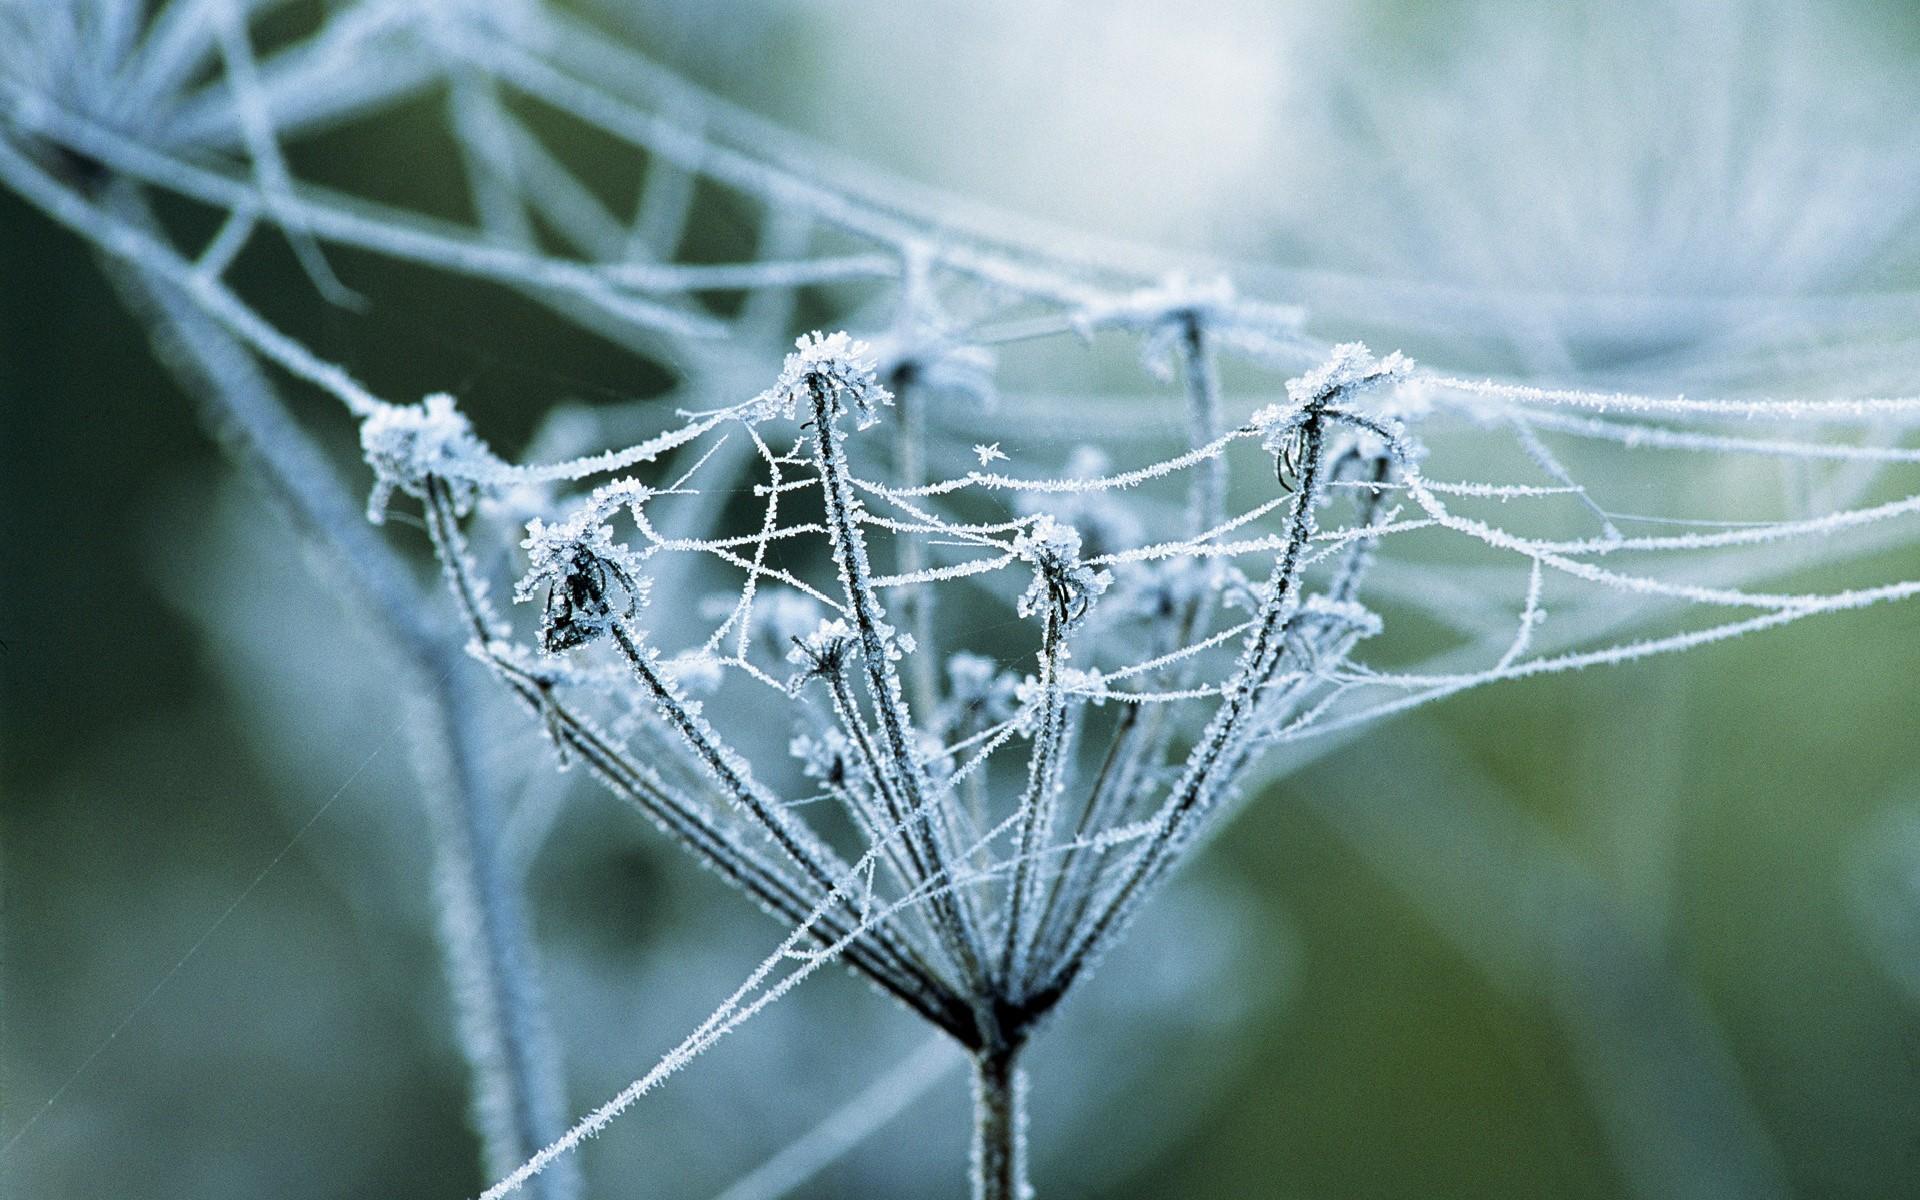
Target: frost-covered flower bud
x,y
842,368
1349,370
823,653
581,567
1061,583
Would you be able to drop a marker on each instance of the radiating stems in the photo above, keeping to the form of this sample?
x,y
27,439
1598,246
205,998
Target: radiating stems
x,y
795,839
892,822
1221,745
813,858
877,956
877,652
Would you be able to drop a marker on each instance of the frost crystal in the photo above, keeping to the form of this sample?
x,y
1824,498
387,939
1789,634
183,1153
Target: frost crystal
x,y
978,931
1088,684
406,443
1348,369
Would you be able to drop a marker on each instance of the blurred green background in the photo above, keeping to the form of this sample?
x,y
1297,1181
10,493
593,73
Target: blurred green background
x,y
1643,931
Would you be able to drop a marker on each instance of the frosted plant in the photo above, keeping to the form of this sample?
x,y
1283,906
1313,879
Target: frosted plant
x,y
864,630
975,890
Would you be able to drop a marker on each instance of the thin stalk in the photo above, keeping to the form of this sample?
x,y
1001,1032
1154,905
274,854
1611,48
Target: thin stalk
x,y
892,815
795,839
1207,492
1036,806
886,818
814,858
916,600
999,1126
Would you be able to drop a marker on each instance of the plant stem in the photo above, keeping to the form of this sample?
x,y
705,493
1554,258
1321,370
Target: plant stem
x,y
999,1125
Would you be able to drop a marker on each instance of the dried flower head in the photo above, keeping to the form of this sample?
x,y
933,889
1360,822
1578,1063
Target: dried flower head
x,y
589,579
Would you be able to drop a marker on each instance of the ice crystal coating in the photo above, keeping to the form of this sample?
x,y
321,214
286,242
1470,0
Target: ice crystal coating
x,y
1347,371
1089,684
823,653
1200,683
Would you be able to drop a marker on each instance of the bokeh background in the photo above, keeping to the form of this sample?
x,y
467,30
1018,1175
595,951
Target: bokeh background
x,y
1650,931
